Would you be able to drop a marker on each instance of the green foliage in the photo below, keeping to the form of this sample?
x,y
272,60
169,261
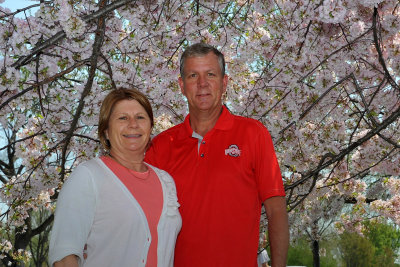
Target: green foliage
x,y
383,234
386,240
300,253
39,244
378,247
355,250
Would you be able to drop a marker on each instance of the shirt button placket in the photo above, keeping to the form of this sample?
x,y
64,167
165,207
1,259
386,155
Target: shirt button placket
x,y
203,143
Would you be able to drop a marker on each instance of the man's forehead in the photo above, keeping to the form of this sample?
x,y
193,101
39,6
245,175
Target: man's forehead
x,y
200,55
193,62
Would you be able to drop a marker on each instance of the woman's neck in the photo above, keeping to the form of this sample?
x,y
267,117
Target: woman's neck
x,y
132,162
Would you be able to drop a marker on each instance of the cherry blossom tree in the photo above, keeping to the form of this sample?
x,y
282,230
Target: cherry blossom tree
x,y
321,75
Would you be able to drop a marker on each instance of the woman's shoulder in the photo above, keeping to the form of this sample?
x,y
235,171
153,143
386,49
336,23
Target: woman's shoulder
x,y
157,170
161,173
91,163
90,169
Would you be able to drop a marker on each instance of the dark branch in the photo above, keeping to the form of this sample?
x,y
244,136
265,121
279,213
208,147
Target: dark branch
x,y
61,34
43,226
47,80
353,200
302,115
379,50
344,152
98,41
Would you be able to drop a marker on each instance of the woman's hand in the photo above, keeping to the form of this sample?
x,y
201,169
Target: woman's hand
x,y
68,261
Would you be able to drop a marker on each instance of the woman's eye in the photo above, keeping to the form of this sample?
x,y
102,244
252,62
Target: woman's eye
x,y
122,118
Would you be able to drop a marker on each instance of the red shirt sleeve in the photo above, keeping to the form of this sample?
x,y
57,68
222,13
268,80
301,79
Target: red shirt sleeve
x,y
267,169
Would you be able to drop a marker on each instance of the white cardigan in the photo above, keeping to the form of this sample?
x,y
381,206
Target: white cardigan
x,y
95,208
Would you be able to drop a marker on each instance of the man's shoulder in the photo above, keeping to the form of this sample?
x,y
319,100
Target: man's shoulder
x,y
241,121
171,132
161,146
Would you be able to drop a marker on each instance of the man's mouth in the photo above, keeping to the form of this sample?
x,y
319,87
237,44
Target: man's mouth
x,y
203,95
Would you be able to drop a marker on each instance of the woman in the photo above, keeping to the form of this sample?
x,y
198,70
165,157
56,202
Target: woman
x,y
125,210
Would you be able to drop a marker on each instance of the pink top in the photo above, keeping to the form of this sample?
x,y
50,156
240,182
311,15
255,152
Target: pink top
x,y
146,189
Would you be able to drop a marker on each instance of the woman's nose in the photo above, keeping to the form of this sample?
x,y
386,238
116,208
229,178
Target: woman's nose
x,y
133,123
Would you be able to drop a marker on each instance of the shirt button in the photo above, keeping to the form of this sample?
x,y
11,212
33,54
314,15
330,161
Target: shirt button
x,y
202,155
203,142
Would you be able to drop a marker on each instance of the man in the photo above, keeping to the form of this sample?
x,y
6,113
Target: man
x,y
225,168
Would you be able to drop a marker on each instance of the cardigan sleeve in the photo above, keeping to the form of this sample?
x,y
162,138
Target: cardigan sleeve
x,y
74,215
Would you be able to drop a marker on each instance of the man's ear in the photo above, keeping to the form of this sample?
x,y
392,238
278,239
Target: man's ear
x,y
180,81
225,83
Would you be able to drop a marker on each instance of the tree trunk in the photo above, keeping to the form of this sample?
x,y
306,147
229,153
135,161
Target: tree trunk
x,y
315,251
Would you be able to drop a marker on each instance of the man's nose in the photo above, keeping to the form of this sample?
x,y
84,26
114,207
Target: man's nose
x,y
202,81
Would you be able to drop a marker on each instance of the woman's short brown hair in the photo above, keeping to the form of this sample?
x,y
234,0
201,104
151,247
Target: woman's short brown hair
x,y
108,105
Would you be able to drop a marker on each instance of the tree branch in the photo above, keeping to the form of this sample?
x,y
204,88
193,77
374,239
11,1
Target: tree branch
x,y
47,80
344,152
333,53
304,113
43,226
61,34
99,38
378,49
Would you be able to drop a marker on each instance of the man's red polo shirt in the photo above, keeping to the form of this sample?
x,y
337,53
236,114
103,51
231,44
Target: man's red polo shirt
x,y
221,187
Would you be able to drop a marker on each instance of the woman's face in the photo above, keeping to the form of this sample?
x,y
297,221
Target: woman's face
x,y
129,128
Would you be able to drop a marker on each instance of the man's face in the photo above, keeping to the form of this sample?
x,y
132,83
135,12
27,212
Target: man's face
x,y
203,83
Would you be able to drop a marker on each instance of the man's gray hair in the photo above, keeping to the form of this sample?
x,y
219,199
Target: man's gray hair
x,y
199,50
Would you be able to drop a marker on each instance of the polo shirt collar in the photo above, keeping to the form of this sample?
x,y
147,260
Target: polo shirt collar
x,y
224,122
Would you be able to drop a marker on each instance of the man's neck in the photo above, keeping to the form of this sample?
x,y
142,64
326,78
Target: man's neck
x,y
203,121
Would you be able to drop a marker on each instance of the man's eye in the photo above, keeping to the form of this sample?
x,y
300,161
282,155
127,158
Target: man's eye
x,y
211,74
140,117
192,75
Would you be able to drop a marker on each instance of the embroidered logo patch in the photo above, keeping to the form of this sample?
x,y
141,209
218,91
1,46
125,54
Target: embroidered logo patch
x,y
233,151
